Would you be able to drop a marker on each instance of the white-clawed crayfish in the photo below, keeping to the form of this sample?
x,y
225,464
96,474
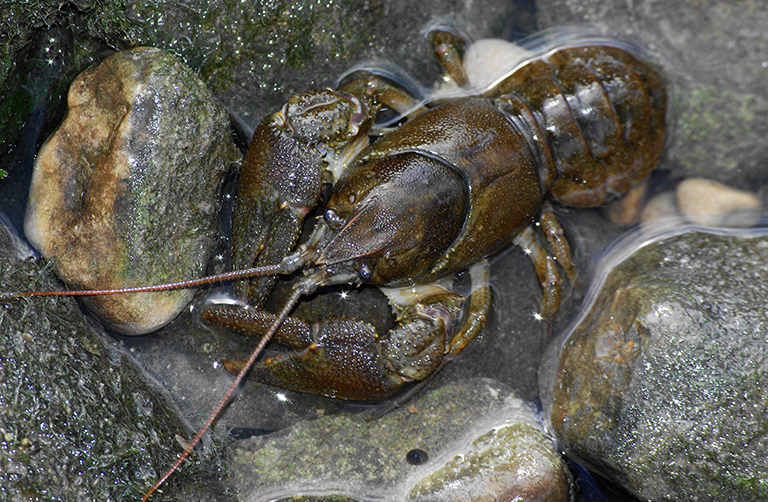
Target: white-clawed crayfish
x,y
460,179
452,185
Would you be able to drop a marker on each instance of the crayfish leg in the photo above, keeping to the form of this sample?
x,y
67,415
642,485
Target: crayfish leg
x,y
555,237
271,205
294,332
346,358
478,308
546,270
385,93
264,233
444,45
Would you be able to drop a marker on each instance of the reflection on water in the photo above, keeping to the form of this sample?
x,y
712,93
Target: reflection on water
x,y
19,155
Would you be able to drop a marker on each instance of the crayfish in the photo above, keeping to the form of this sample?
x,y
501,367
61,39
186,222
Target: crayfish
x,y
455,183
461,178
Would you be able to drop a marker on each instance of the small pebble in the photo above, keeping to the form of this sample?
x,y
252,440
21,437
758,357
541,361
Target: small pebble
x,y
488,59
660,213
707,202
626,211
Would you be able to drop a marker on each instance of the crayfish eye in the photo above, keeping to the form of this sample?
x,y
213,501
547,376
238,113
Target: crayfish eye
x,y
333,219
364,271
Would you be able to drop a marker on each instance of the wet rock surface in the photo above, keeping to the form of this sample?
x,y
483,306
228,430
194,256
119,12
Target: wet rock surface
x,y
471,441
45,45
255,57
126,192
661,386
77,420
511,461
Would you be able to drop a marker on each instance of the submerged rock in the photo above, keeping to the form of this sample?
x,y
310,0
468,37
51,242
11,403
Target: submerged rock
x,y
512,461
126,192
662,385
707,202
78,423
474,441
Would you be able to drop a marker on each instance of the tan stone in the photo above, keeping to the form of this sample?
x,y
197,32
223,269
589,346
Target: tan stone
x,y
707,202
125,192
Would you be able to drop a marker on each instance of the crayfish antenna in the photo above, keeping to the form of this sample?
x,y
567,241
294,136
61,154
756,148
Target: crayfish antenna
x,y
235,384
228,276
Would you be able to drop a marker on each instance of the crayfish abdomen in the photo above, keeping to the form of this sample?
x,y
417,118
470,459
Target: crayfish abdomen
x,y
594,117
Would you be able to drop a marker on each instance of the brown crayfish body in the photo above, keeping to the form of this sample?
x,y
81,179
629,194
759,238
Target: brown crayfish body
x,y
462,178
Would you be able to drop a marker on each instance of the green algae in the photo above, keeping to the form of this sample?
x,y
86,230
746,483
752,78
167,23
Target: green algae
x,y
77,420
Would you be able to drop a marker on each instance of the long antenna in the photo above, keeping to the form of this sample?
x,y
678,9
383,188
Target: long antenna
x,y
235,384
228,276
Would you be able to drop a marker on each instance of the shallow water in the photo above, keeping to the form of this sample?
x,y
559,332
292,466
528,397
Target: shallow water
x,y
185,357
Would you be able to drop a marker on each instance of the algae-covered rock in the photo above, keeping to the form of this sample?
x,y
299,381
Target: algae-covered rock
x,y
512,461
126,192
469,438
662,385
78,422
